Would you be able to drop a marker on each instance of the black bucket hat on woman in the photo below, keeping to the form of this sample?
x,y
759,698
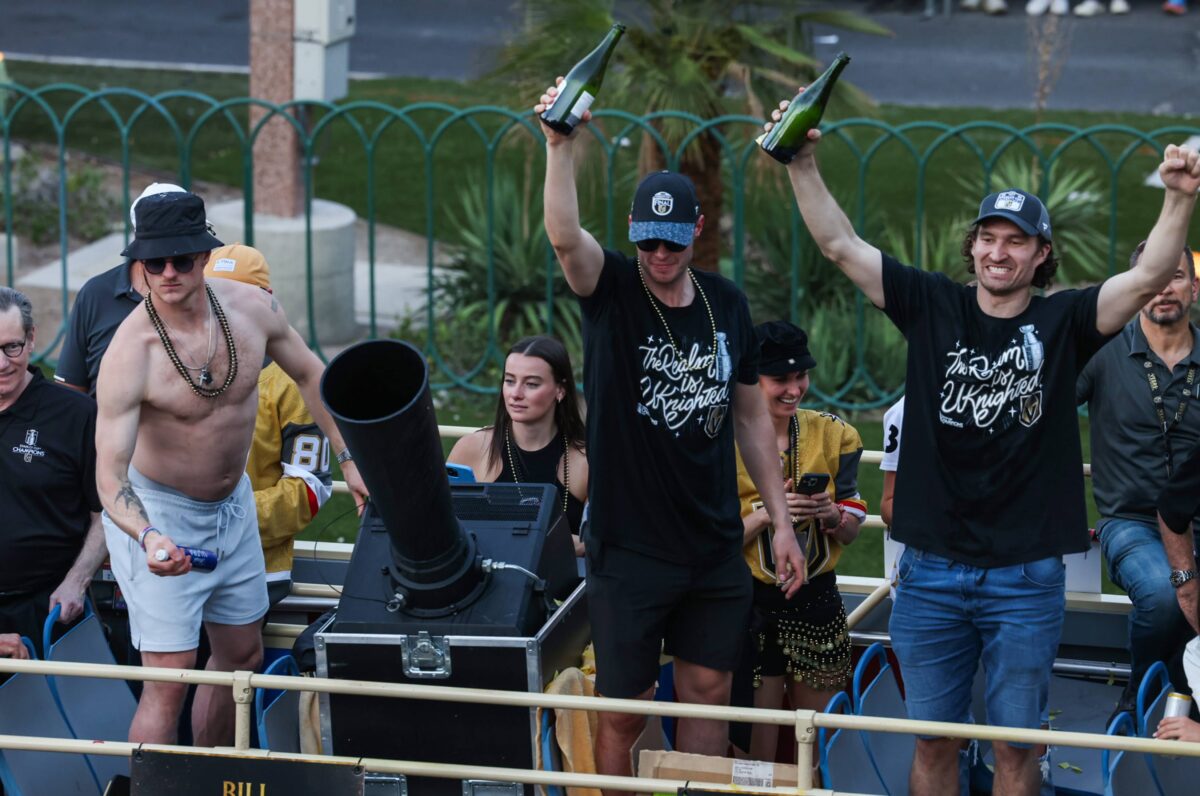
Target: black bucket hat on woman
x,y
170,224
783,349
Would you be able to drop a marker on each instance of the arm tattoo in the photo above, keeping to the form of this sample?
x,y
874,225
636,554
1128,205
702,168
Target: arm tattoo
x,y
274,305
130,501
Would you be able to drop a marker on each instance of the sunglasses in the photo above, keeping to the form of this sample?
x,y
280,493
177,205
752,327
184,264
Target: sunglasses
x,y
652,244
184,263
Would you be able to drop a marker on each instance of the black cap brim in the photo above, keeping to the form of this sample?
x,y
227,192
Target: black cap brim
x,y
149,248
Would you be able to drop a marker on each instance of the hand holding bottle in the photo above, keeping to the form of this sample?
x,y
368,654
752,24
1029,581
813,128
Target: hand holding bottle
x,y
554,137
565,105
809,147
176,562
796,119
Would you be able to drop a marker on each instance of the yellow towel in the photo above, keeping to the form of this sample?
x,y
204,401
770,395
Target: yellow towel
x,y
574,730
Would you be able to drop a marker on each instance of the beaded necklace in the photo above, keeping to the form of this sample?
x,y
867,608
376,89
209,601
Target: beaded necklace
x,y
794,435
512,463
199,389
703,361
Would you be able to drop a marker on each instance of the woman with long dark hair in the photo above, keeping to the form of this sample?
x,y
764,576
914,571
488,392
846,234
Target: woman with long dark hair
x,y
538,434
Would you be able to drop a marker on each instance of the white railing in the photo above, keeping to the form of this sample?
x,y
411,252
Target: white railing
x,y
805,722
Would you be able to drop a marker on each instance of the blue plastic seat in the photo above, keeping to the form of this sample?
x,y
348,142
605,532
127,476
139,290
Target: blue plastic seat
x,y
27,707
1152,698
95,708
1126,773
279,712
845,764
891,753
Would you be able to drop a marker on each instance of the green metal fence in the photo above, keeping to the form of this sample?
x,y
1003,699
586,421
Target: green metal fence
x,y
470,178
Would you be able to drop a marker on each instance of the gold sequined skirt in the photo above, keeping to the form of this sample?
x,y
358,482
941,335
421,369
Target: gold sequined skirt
x,y
805,639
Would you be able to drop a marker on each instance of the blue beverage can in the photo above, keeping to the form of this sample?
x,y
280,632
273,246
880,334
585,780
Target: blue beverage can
x,y
203,560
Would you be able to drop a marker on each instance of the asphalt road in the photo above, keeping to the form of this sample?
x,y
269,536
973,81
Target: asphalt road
x,y
1145,62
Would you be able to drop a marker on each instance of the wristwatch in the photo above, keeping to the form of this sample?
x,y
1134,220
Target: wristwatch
x,y
1181,576
344,456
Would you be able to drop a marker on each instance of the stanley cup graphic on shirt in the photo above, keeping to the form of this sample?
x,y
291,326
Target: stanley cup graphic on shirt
x,y
1032,348
724,369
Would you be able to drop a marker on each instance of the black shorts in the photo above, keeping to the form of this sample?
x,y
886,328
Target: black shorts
x,y
806,637
640,606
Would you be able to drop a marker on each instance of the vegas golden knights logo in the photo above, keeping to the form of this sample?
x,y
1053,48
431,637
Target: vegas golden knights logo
x,y
815,546
715,419
1031,408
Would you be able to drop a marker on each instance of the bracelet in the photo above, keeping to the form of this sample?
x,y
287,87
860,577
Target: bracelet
x,y
142,535
344,456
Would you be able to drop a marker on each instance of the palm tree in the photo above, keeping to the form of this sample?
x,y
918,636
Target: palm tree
x,y
699,57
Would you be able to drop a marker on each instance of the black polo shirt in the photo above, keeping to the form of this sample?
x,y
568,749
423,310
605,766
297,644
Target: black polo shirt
x,y
1128,451
101,304
47,483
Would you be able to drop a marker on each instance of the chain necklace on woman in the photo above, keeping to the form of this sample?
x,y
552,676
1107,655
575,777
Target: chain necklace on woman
x,y
201,389
703,361
512,464
794,450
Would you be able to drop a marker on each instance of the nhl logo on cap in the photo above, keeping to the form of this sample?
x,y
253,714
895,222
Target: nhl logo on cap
x,y
1010,200
662,203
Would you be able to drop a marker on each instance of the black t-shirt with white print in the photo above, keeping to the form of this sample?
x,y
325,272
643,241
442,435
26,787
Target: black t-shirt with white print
x,y
991,467
663,477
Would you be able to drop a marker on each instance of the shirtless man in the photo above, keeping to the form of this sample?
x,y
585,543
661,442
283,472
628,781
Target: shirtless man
x,y
177,402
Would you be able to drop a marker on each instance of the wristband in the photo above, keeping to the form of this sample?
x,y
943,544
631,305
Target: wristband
x,y
344,456
142,535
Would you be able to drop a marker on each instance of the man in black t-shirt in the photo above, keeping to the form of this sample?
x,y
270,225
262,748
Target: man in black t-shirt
x,y
989,494
670,374
51,535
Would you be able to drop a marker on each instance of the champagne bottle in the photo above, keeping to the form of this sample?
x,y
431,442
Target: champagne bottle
x,y
577,92
803,114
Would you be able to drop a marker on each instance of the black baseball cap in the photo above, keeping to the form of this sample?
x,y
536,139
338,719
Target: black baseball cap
x,y
665,207
1021,208
783,348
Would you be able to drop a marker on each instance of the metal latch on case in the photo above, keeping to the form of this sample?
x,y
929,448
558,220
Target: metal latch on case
x,y
425,657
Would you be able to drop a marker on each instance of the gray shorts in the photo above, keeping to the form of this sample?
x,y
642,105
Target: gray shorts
x,y
165,612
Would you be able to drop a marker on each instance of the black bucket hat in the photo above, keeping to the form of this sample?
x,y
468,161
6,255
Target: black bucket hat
x,y
783,349
170,224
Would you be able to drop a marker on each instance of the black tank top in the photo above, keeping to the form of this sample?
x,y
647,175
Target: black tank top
x,y
541,467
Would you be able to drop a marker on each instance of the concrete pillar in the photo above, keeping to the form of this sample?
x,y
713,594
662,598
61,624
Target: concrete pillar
x,y
278,190
282,242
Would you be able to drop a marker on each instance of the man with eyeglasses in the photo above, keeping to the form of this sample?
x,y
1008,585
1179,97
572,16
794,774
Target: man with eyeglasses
x,y
51,536
101,305
671,378
177,400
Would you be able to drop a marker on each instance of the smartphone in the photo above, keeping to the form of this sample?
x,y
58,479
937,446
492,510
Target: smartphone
x,y
813,483
459,473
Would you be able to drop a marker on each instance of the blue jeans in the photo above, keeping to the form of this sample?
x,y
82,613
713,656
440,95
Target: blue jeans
x,y
948,616
1137,563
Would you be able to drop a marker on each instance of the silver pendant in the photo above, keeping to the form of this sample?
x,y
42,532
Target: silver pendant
x,y
205,377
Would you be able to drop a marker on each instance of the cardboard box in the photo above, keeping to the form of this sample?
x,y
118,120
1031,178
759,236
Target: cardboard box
x,y
660,764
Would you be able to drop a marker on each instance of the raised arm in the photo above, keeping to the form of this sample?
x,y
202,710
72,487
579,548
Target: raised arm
x,y
828,225
578,252
286,347
120,388
1122,295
